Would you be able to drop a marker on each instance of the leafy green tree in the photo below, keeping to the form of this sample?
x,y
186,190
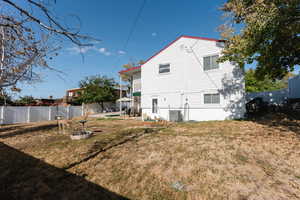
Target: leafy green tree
x,y
26,100
253,84
98,89
265,31
5,99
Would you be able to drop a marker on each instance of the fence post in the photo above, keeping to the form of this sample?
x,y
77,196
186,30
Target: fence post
x,y
2,115
82,109
50,113
28,114
68,112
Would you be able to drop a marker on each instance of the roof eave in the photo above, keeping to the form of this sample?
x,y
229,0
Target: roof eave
x,y
131,70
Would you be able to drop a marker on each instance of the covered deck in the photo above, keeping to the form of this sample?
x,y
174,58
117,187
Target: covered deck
x,y
133,77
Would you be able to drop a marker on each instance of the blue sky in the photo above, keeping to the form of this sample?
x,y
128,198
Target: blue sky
x,y
110,21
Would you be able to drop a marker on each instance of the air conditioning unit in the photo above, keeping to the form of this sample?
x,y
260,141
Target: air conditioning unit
x,y
175,116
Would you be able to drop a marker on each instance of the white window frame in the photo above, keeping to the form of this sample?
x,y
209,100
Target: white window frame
x,y
210,62
162,73
211,99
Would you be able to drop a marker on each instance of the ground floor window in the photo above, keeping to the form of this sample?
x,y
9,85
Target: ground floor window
x,y
211,98
154,105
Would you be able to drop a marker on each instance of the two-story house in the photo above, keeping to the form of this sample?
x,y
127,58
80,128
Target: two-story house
x,y
185,79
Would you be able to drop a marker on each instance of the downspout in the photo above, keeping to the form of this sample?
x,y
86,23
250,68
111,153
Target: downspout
x,y
2,54
2,62
131,94
120,102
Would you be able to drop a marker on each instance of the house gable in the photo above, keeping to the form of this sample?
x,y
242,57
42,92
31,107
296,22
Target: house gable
x,y
185,58
167,46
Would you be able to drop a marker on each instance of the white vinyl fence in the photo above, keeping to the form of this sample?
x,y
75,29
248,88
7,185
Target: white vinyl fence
x,y
97,108
272,97
26,114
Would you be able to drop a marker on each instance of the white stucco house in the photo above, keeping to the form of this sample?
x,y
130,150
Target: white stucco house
x,y
185,78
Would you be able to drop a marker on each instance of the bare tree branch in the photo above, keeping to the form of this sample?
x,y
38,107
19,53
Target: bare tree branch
x,y
22,50
74,37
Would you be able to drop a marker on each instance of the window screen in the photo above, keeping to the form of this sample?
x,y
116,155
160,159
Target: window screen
x,y
206,63
214,63
210,62
211,98
164,68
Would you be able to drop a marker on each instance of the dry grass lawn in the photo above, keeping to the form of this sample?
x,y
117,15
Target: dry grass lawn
x,y
129,159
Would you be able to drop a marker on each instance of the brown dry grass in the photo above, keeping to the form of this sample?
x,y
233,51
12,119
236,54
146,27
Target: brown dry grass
x,y
209,160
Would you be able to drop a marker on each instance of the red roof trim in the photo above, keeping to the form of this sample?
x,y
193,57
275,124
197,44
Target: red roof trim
x,y
129,69
182,36
203,38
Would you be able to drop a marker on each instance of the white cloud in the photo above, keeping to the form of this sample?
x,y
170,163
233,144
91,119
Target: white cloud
x,y
107,53
78,50
154,34
120,52
104,51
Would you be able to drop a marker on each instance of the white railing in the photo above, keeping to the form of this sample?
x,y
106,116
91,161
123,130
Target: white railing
x,y
26,114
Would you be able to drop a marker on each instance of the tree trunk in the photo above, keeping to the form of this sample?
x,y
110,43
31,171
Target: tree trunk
x,y
102,106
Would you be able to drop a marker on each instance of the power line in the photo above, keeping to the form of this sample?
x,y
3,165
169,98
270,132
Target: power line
x,y
134,24
131,31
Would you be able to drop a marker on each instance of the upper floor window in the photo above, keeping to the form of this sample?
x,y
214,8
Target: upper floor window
x,y
164,68
210,62
211,98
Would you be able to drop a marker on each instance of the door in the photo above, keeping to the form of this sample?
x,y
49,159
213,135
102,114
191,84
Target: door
x,y
154,106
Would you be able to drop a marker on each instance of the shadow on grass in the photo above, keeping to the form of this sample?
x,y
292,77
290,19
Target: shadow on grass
x,y
10,127
20,130
281,120
99,147
25,177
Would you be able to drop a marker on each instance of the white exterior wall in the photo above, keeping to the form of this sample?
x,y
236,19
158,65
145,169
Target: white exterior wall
x,y
294,87
184,87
